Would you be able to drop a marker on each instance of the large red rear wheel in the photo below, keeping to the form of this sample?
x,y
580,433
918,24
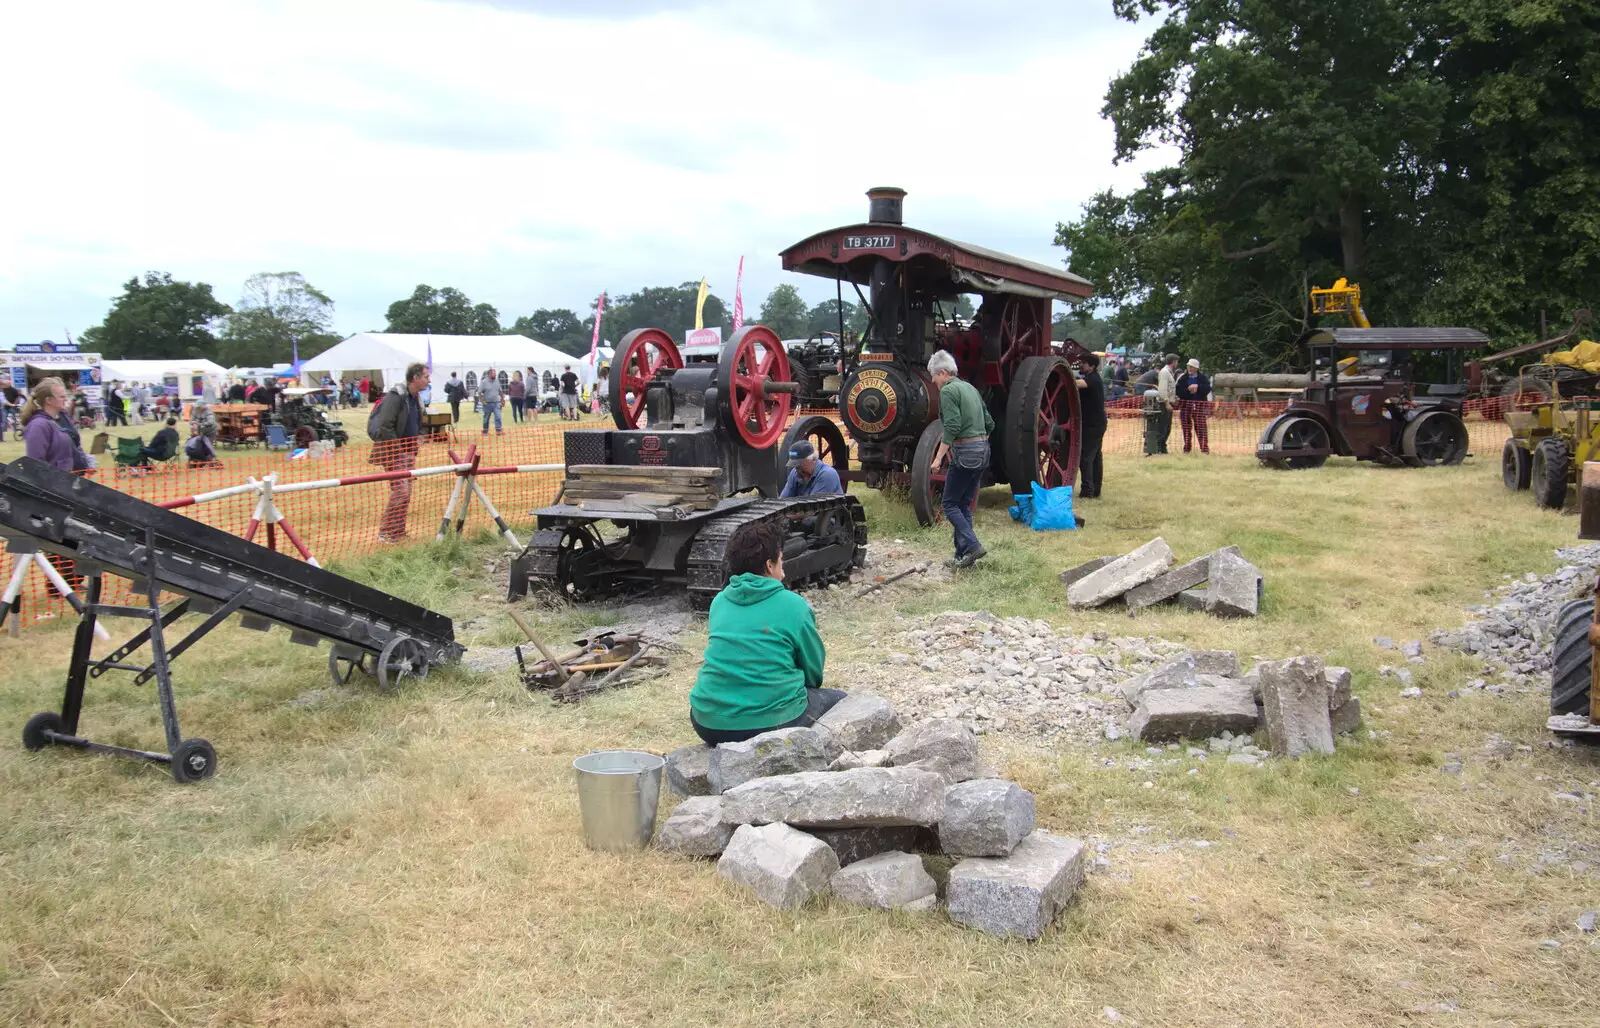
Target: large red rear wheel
x,y
642,353
749,360
1042,436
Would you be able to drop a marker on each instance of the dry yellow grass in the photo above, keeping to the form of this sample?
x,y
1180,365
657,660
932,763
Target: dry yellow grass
x,y
417,859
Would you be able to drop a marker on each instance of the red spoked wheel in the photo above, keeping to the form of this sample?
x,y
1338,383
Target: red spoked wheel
x,y
642,353
749,360
1042,437
1015,332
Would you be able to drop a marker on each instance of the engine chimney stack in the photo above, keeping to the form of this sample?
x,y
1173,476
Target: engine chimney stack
x,y
884,205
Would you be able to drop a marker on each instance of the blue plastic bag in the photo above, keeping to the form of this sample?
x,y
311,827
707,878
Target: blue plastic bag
x,y
1052,509
1022,510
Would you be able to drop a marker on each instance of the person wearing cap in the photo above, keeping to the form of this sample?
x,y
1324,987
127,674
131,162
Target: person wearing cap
x,y
1194,406
1167,387
809,476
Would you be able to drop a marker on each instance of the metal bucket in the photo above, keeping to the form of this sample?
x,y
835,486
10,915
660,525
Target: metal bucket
x,y
617,793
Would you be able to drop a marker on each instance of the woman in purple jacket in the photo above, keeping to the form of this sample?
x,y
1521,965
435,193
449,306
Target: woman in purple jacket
x,y
44,438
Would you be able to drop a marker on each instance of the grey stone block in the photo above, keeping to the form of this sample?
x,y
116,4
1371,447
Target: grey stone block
x,y
1085,569
1338,686
1020,895
1347,717
887,881
1170,584
849,761
985,818
689,770
1195,669
865,798
1252,678
696,828
1294,698
853,844
1234,587
782,866
781,752
1164,714
1145,564
1223,663
942,745
861,722
1192,599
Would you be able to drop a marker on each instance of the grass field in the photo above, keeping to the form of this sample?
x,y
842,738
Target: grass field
x,y
417,859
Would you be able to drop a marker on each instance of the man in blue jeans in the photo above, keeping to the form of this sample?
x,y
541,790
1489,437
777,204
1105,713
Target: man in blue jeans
x,y
967,424
489,396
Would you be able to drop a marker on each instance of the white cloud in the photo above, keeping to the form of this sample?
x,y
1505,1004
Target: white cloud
x,y
528,159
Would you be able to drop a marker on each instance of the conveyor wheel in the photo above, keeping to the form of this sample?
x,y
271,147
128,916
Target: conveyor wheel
x,y
194,760
402,657
33,736
340,669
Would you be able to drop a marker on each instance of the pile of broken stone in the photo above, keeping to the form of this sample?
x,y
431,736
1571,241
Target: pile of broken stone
x,y
848,806
1300,703
1221,582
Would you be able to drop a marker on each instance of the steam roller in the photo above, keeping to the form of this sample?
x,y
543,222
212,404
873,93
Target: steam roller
x,y
697,456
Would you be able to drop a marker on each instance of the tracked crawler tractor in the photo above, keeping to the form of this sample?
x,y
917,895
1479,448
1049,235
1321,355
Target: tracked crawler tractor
x,y
695,458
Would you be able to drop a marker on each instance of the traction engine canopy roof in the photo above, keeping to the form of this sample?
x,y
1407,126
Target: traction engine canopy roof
x,y
1398,338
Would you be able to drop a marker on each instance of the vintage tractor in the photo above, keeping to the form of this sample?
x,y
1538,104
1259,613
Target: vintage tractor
x,y
1574,699
694,459
887,401
1549,442
1374,413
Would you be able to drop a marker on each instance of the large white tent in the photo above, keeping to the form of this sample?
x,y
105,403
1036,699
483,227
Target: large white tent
x,y
186,373
386,354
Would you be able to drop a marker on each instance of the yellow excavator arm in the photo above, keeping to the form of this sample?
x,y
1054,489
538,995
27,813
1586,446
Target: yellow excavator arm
x,y
1340,298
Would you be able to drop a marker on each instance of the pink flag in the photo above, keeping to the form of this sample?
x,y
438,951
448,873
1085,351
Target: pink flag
x,y
738,298
594,344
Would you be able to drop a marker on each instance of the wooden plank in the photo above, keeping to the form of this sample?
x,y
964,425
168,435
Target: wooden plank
x,y
642,471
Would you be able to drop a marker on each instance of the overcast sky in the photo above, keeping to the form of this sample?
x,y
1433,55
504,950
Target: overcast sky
x,y
528,152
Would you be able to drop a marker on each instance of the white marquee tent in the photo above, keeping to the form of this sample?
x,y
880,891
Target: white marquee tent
x,y
181,372
386,354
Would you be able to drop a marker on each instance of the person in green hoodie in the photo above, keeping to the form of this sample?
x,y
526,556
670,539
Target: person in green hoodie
x,y
763,659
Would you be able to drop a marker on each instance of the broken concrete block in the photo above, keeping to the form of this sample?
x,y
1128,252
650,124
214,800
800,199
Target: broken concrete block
x,y
1233,589
1347,717
1106,584
942,745
853,844
887,881
689,770
1085,569
1294,698
1165,714
1170,584
1192,599
861,722
1338,686
696,828
781,752
864,798
784,867
1020,895
985,818
1195,669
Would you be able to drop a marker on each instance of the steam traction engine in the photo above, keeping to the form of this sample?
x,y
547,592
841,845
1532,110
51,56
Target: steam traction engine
x,y
693,460
887,400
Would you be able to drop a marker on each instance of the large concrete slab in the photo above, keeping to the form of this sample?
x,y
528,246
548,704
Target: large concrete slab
x,y
867,797
1086,569
1146,563
1170,584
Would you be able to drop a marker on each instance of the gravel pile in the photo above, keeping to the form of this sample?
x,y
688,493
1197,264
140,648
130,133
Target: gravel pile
x,y
1015,676
1513,636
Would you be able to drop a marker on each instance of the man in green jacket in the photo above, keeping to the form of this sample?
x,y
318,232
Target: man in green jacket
x,y
967,424
763,660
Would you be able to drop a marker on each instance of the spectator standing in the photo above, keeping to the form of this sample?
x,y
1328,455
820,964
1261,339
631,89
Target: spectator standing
x,y
236,393
399,424
1194,406
1092,410
1119,379
116,405
530,394
569,394
42,435
967,424
517,392
454,392
489,399
1167,386
141,397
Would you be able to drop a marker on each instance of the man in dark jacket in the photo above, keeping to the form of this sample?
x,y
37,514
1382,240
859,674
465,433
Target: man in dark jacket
x,y
455,392
165,444
399,423
1092,408
1194,406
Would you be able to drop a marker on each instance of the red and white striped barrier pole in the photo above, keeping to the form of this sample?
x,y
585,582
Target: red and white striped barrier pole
x,y
467,487
267,513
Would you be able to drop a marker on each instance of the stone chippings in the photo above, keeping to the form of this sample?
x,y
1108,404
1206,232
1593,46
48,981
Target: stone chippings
x,y
696,828
887,881
867,797
780,752
1018,895
861,722
782,866
985,818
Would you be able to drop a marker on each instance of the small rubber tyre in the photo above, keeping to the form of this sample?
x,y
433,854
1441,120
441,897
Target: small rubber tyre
x,y
193,761
1548,473
33,736
1516,466
1570,659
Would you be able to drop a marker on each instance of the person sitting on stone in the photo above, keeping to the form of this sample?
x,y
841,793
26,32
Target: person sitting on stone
x,y
763,661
